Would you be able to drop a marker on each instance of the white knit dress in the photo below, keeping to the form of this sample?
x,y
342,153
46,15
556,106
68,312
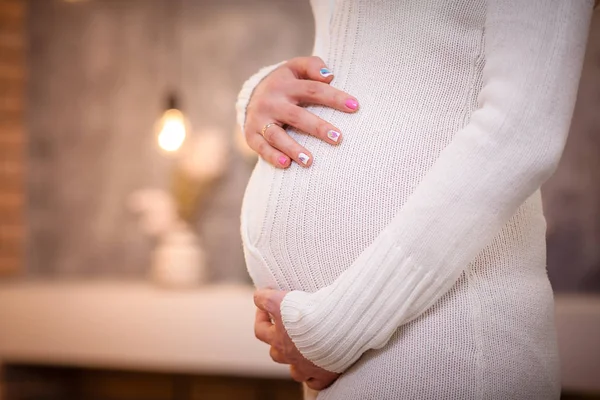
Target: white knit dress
x,y
415,250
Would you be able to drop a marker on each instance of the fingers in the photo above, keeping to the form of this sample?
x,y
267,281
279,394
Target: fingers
x,y
298,375
320,378
277,356
278,98
269,300
266,151
312,68
307,122
313,92
278,138
263,328
263,318
314,87
318,384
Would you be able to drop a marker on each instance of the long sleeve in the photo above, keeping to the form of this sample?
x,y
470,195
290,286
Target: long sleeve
x,y
533,57
248,88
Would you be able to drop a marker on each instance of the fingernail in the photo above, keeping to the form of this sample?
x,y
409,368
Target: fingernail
x,y
325,72
282,160
303,158
351,104
333,135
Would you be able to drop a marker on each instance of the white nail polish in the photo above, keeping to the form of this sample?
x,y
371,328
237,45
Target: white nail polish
x,y
333,135
303,158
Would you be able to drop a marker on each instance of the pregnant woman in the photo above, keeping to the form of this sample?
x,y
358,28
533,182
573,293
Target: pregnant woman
x,y
394,219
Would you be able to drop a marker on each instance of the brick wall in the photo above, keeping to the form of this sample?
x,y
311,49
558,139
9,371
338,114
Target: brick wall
x,y
12,134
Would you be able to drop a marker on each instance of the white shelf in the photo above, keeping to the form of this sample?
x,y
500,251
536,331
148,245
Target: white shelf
x,y
205,330
134,326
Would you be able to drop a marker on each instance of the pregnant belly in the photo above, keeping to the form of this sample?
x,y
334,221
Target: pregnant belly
x,y
302,227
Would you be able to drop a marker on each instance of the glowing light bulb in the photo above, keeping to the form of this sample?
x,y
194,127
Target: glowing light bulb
x,y
172,131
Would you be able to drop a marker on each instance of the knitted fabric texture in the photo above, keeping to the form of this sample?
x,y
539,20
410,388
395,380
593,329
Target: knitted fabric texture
x,y
414,252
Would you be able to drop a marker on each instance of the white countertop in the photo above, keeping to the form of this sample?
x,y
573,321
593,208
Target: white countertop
x,y
206,330
134,326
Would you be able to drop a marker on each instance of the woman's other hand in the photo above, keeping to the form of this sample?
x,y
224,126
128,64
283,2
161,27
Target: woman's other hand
x,y
268,328
278,100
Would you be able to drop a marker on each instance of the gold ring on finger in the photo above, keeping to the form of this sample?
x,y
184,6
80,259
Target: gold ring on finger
x,y
267,126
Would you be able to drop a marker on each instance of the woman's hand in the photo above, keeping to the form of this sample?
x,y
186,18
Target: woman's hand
x,y
269,329
279,99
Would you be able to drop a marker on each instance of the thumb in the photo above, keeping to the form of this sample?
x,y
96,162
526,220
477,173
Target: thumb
x,y
269,300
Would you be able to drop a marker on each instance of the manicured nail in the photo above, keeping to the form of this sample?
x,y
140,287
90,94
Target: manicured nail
x,y
351,104
282,160
333,135
304,158
325,72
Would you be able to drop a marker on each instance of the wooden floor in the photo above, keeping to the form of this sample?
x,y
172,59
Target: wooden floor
x,y
25,382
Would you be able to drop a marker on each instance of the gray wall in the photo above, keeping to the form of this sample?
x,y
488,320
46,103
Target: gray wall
x,y
572,196
98,80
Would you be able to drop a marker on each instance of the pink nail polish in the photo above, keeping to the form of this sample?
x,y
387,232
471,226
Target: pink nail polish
x,y
282,160
351,104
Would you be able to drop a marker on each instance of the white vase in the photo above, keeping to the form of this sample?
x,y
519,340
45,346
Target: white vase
x,y
178,260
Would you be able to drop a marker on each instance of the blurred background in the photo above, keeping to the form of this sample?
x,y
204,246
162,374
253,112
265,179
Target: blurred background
x,y
121,177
